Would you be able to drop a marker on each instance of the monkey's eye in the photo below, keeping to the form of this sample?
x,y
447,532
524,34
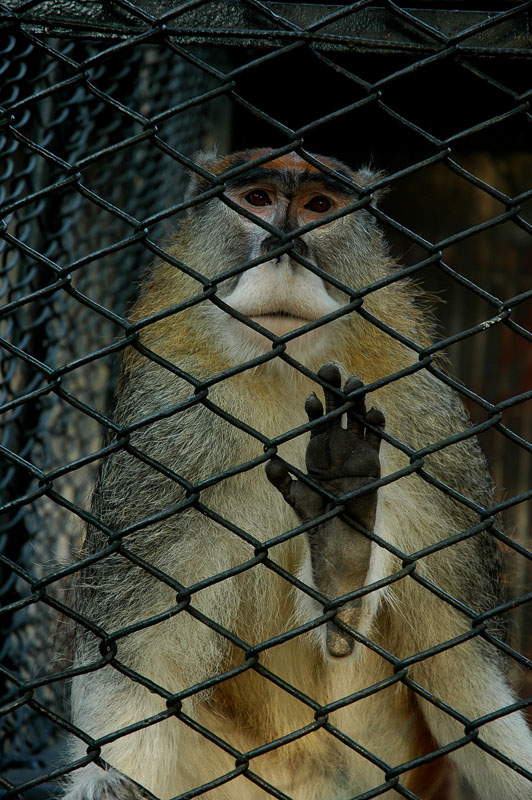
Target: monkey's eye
x,y
258,197
319,204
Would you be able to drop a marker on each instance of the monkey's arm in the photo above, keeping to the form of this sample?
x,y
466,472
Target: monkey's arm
x,y
341,460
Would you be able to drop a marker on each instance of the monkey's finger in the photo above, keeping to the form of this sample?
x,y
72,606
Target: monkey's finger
x,y
331,374
376,418
278,475
314,409
358,407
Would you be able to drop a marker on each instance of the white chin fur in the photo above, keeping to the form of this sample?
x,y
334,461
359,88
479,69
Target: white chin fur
x,y
280,298
254,342
279,324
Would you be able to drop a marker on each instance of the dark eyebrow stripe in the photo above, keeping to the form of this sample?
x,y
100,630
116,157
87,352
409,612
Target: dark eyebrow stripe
x,y
253,175
330,182
260,174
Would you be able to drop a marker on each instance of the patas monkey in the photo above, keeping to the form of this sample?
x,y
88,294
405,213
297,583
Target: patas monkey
x,y
247,681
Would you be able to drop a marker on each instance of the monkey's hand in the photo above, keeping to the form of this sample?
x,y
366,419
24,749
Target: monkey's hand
x,y
340,460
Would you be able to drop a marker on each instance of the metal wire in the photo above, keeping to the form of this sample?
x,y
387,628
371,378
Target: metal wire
x,y
98,116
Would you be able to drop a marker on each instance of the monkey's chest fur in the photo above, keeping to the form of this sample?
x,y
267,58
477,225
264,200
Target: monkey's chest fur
x,y
242,595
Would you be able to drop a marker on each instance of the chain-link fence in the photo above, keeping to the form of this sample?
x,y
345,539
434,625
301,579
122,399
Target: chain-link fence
x,y
104,108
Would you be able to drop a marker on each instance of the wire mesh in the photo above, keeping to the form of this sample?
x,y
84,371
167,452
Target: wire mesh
x,y
101,119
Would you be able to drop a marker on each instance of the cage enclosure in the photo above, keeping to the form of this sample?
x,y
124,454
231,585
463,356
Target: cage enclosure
x,y
103,110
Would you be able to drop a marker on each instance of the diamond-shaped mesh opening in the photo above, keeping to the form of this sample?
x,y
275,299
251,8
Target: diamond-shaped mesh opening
x,y
220,668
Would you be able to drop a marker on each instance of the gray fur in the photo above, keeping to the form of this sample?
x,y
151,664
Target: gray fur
x,y
187,546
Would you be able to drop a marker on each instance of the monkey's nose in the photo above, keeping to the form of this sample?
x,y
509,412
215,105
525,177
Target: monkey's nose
x,y
300,247
268,244
273,242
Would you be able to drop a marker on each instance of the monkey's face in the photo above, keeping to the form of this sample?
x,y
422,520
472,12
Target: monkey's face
x,y
280,293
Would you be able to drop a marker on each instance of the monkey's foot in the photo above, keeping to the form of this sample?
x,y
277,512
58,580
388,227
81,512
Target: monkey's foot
x,y
98,784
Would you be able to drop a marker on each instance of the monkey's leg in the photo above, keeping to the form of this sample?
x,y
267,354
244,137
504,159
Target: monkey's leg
x,y
167,757
341,460
471,679
103,703
128,722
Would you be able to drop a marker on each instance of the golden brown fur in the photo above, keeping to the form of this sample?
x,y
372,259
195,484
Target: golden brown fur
x,y
343,752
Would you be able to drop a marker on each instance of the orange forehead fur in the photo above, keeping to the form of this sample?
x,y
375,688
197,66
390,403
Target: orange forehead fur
x,y
291,162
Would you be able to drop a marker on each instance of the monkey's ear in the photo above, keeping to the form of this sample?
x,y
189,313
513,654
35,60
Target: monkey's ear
x,y
205,159
208,159
366,177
